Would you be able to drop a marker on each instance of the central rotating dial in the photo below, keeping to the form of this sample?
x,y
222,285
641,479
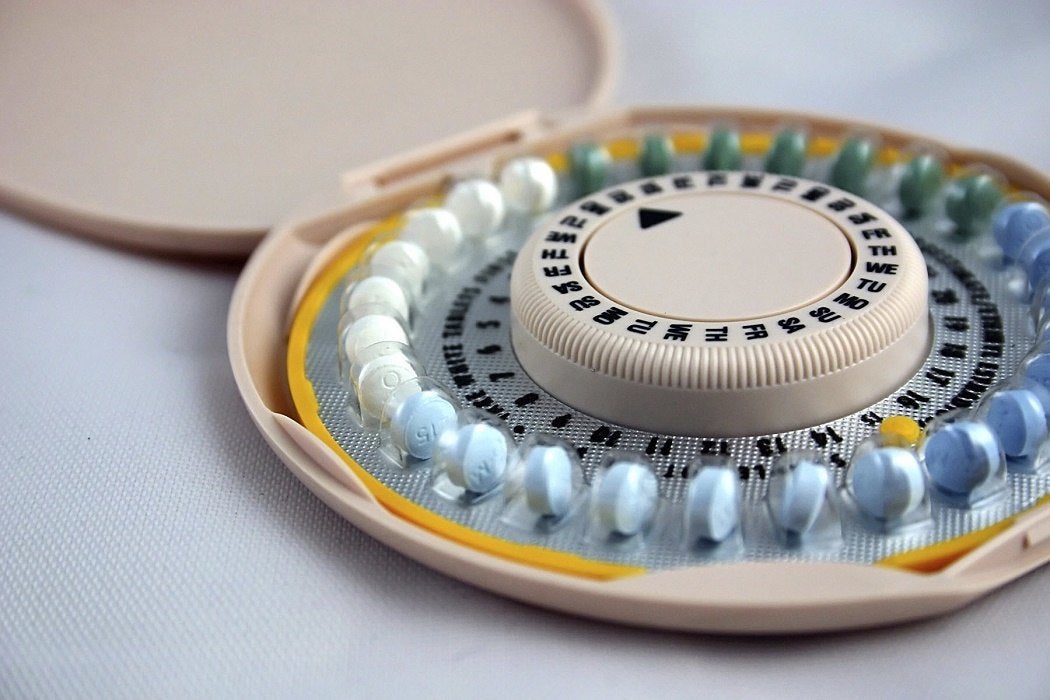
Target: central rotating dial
x,y
716,257
720,304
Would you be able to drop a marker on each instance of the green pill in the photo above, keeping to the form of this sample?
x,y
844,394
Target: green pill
x,y
656,156
920,183
971,203
723,150
787,155
852,165
589,165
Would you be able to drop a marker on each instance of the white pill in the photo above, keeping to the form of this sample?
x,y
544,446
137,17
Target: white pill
x,y
369,330
377,292
961,456
528,184
477,458
420,420
436,231
802,498
478,204
378,379
626,498
712,504
548,480
887,482
402,261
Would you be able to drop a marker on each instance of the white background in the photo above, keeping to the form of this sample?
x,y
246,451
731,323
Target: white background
x,y
152,545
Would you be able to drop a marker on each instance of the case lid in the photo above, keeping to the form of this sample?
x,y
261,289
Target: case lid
x,y
194,126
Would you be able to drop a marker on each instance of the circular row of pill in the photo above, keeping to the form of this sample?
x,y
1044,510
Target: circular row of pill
x,y
965,455
969,200
383,292
889,487
889,483
961,460
1022,232
472,455
1017,411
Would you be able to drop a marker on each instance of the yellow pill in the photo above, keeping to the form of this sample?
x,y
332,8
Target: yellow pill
x,y
901,428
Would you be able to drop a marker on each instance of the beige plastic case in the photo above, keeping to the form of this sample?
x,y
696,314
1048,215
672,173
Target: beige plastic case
x,y
183,128
193,127
739,597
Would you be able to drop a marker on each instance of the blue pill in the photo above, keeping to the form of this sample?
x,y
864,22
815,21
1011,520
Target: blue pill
x,y
548,480
961,456
1041,394
626,499
1034,256
712,504
802,499
1037,370
1015,224
1016,416
887,482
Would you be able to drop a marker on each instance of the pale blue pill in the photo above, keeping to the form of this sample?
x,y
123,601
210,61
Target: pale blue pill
x,y
961,456
548,480
626,498
712,504
802,497
1037,370
420,420
1016,223
1041,394
1034,257
478,458
887,483
1016,416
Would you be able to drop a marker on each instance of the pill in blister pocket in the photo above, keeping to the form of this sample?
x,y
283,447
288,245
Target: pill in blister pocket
x,y
369,330
626,498
420,420
1016,223
436,231
712,504
478,204
403,261
1016,416
548,480
475,457
378,379
961,456
887,482
802,497
528,184
377,292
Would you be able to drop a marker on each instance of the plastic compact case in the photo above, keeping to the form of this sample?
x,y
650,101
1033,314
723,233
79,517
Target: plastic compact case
x,y
720,370
702,369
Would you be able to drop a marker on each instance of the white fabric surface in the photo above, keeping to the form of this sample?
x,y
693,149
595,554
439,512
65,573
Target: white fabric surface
x,y
153,546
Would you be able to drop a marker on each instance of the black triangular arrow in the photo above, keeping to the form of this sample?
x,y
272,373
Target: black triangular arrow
x,y
647,218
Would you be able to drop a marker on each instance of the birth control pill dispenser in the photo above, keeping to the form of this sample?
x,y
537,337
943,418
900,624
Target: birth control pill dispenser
x,y
828,337
688,369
